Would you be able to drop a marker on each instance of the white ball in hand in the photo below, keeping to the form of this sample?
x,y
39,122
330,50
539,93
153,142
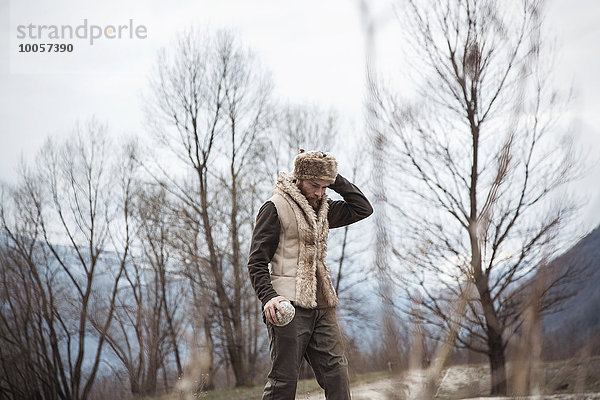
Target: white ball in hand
x,y
289,311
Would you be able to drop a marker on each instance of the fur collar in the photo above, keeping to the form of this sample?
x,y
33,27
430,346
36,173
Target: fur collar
x,y
286,187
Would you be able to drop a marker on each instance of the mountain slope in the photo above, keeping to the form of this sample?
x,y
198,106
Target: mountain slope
x,y
579,318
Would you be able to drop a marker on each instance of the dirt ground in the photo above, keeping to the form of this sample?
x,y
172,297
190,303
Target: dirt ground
x,y
457,382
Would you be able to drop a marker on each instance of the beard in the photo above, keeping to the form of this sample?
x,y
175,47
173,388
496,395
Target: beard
x,y
314,202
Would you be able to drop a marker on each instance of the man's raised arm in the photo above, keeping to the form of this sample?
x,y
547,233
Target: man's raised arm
x,y
353,208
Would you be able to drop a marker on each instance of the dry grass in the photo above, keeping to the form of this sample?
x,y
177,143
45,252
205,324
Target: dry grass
x,y
306,387
457,382
560,377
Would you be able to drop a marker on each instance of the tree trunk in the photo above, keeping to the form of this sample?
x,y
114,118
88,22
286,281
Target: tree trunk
x,y
209,382
151,378
497,365
492,326
239,365
495,346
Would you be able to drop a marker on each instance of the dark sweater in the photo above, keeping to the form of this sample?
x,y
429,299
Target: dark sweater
x,y
265,237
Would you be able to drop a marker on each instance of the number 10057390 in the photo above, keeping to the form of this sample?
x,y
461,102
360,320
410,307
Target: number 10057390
x,y
45,48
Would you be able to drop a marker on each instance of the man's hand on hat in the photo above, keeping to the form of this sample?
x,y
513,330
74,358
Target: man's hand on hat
x,y
271,306
335,185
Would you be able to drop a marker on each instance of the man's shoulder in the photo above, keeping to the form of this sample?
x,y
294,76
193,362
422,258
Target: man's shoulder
x,y
267,214
277,201
281,208
267,206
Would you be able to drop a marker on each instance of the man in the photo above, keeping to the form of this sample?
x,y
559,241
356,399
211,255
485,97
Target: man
x,y
287,263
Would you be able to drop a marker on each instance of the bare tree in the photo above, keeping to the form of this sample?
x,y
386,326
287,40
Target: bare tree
x,y
480,170
26,362
148,318
157,219
59,223
209,105
349,255
298,126
201,304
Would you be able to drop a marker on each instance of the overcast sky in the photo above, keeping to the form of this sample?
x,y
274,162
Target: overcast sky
x,y
314,50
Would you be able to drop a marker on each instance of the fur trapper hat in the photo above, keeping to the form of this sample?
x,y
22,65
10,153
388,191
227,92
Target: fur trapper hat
x,y
315,165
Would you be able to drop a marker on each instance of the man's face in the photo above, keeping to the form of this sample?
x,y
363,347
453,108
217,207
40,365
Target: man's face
x,y
312,189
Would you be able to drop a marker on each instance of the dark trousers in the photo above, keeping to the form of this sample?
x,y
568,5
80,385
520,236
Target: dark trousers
x,y
314,335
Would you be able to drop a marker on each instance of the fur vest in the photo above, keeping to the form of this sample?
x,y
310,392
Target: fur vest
x,y
298,269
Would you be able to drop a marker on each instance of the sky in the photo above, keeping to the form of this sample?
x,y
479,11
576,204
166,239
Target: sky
x,y
314,51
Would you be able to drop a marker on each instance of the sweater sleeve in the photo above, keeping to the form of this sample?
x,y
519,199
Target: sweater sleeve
x,y
265,239
353,208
